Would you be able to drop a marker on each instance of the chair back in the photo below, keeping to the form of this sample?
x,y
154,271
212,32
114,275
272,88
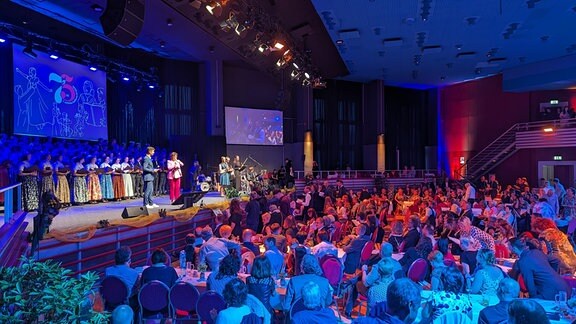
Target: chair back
x,y
332,269
501,251
208,301
297,306
522,284
299,253
366,252
571,281
247,259
114,291
418,270
183,298
154,297
453,317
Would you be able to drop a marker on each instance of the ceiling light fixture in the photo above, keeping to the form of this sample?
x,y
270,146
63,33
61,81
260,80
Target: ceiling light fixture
x,y
548,130
54,56
169,22
97,8
93,68
28,50
2,40
214,8
306,75
125,78
263,47
278,46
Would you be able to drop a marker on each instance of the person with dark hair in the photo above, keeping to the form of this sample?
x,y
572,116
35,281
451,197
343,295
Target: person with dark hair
x,y
324,246
354,249
451,298
160,269
526,311
228,270
235,294
274,255
29,178
508,290
411,237
315,311
190,248
309,271
442,246
148,172
281,241
253,211
540,279
122,270
420,251
260,282
237,217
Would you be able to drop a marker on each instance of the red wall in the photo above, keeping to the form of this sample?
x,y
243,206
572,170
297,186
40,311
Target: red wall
x,y
473,114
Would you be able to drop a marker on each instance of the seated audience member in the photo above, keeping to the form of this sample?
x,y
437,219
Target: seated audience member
x,y
123,314
354,250
411,237
274,256
219,222
228,270
508,290
215,249
386,253
260,282
436,260
526,311
540,279
190,248
324,246
309,271
122,270
428,231
225,231
469,253
235,295
420,251
402,304
316,312
275,215
466,229
378,280
443,247
281,242
487,276
198,234
557,244
396,237
247,241
450,299
159,270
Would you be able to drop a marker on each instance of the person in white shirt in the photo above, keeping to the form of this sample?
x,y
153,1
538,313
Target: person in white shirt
x,y
470,195
324,247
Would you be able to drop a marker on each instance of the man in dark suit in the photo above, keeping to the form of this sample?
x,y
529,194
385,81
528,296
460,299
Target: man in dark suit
x,y
340,190
508,290
540,279
148,172
412,237
354,249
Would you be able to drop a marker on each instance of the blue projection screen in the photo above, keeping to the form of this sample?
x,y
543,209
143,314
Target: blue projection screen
x,y
254,126
58,98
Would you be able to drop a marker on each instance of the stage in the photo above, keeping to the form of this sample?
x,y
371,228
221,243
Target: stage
x,y
90,214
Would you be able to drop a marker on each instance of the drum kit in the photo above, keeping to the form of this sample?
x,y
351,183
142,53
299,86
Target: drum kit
x,y
204,183
248,178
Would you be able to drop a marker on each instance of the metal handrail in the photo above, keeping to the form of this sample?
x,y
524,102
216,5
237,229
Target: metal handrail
x,y
356,174
11,205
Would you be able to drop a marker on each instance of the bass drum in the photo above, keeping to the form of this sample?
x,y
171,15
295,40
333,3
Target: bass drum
x,y
205,186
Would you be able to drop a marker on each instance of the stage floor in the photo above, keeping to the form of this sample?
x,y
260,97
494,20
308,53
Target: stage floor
x,y
90,214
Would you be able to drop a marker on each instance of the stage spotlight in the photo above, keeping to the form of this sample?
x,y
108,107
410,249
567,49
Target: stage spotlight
x,y
2,40
151,86
54,56
306,75
214,8
125,78
278,46
29,51
295,66
93,68
263,48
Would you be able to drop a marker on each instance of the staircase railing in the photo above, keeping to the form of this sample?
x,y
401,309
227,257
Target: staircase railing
x,y
504,146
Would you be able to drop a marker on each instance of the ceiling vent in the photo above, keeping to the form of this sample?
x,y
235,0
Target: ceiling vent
x,y
466,55
420,39
471,21
532,3
510,29
498,60
425,9
377,31
431,49
392,42
349,33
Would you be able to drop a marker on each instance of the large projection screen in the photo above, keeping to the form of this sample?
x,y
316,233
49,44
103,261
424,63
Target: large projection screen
x,y
245,126
58,98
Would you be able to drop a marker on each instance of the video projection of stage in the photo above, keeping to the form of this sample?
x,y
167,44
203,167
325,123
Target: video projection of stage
x,y
245,126
58,98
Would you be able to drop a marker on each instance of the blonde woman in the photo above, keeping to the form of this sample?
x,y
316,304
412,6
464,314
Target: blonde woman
x,y
174,175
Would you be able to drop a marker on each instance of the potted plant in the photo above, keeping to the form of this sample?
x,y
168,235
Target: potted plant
x,y
45,292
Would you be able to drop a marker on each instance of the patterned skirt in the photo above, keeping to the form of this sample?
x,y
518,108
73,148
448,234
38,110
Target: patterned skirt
x,y
94,191
118,185
128,188
63,190
47,184
106,186
30,193
80,190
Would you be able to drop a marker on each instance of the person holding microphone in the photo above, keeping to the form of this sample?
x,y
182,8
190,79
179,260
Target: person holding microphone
x,y
174,175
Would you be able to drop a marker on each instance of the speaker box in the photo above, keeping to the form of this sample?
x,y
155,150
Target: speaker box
x,y
189,198
122,20
130,212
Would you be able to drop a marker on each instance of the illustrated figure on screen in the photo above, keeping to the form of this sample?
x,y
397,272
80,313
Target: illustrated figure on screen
x,y
87,102
35,109
102,105
80,119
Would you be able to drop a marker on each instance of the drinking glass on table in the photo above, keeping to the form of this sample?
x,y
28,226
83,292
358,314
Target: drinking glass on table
x,y
561,299
189,268
485,300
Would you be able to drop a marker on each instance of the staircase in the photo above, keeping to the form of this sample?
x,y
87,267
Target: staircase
x,y
519,136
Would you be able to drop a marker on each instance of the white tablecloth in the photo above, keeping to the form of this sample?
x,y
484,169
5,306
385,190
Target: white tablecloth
x,y
194,279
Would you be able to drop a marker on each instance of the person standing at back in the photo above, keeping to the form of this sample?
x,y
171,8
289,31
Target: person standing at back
x,y
148,172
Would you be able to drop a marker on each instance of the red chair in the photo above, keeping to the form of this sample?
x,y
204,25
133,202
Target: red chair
x,y
333,271
502,251
523,288
418,271
571,281
366,252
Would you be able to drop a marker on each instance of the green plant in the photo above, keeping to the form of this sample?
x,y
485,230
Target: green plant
x,y
45,292
231,192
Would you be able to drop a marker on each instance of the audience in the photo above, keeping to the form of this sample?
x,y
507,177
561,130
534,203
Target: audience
x,y
122,270
215,249
235,294
122,314
451,298
487,276
228,270
436,260
354,249
309,271
324,246
160,269
247,243
274,256
526,311
260,282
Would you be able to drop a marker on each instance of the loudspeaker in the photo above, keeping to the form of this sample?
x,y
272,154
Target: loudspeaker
x,y
122,20
189,198
130,212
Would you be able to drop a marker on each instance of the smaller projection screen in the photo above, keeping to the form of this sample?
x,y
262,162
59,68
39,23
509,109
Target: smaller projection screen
x,y
58,98
246,126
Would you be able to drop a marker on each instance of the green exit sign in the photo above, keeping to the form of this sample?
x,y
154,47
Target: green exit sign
x,y
557,157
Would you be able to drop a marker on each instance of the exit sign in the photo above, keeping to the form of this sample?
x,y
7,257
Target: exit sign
x,y
557,157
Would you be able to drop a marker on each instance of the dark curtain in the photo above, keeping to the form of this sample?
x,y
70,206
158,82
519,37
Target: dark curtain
x,y
6,83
